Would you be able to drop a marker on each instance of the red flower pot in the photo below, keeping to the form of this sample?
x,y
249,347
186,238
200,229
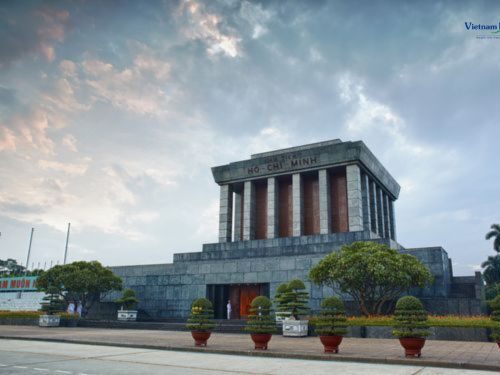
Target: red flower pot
x,y
331,343
412,345
200,337
261,340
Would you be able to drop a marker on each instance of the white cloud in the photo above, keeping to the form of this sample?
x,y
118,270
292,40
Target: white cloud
x,y
257,18
205,26
7,139
68,168
51,31
69,141
129,88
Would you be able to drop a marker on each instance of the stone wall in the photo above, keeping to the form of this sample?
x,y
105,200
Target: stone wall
x,y
167,290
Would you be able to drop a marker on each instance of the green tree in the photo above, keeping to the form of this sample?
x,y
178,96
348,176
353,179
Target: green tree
x,y
79,281
12,266
372,274
128,299
495,234
495,317
491,271
292,298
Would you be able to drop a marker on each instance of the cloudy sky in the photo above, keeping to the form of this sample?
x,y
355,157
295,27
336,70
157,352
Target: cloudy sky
x,y
112,113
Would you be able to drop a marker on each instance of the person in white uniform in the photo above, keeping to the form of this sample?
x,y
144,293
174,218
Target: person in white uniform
x,y
229,309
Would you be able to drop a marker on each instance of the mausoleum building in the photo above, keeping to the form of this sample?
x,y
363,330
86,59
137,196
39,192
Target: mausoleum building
x,y
280,213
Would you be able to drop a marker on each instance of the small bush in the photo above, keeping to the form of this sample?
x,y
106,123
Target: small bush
x,y
495,317
68,316
19,314
127,300
332,320
201,316
410,318
261,318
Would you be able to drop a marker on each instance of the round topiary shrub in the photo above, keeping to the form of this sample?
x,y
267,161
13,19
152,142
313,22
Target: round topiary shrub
x,y
201,315
410,319
332,320
495,317
261,319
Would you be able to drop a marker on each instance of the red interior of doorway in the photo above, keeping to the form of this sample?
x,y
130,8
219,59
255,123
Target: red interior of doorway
x,y
241,297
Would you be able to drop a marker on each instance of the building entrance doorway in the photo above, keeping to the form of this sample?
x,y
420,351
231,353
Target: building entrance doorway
x,y
240,295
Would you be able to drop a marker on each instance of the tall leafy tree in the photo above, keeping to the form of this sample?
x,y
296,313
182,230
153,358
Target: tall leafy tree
x,y
491,271
372,274
495,234
79,281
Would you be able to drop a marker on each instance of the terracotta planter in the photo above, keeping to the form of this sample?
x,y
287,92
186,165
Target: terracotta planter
x,y
200,337
261,340
331,343
412,345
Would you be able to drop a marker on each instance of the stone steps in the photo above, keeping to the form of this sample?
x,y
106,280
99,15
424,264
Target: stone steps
x,y
231,326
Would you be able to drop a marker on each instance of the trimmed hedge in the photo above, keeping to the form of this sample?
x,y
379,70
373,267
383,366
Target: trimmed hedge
x,y
410,318
261,318
451,321
201,316
332,321
4,314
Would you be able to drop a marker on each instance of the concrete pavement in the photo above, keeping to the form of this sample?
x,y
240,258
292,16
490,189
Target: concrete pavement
x,y
450,354
36,357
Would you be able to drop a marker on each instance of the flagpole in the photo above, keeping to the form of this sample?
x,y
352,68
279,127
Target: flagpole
x,y
66,248
27,263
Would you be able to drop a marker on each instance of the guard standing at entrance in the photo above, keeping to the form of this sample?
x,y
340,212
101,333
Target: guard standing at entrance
x,y
229,309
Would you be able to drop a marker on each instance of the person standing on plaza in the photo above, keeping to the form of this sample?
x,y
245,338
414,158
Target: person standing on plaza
x,y
79,309
71,308
229,309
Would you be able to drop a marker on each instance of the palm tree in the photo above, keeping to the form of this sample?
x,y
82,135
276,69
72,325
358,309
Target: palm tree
x,y
494,233
491,271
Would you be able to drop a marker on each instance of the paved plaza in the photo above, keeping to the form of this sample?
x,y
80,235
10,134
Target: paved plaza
x,y
34,357
452,354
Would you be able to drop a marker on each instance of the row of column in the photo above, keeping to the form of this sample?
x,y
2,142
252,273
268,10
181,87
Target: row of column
x,y
369,207
378,209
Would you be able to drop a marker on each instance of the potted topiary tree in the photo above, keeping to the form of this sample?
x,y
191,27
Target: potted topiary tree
x,y
127,302
282,313
331,325
261,323
51,305
411,325
200,321
495,317
293,299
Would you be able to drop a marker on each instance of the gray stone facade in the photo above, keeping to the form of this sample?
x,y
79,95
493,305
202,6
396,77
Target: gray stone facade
x,y
167,290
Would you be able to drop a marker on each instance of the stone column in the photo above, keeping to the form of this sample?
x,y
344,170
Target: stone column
x,y
272,207
354,198
237,216
365,191
373,207
297,205
248,211
380,206
393,219
226,213
387,220
324,202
